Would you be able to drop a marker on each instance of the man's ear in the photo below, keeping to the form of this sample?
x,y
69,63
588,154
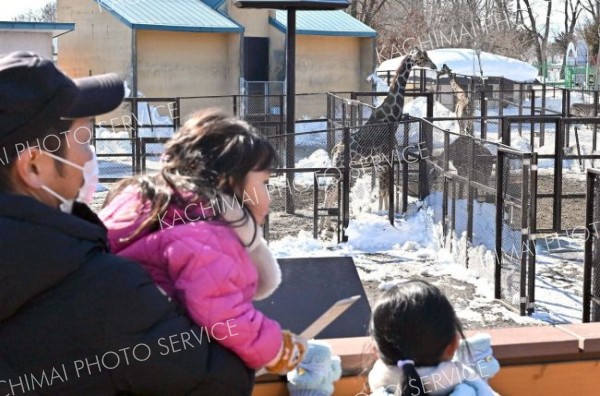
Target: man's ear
x,y
30,168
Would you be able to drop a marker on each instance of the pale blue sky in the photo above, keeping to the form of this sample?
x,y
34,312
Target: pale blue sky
x,y
11,8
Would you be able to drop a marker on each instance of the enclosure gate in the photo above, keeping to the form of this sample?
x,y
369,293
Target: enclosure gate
x,y
515,207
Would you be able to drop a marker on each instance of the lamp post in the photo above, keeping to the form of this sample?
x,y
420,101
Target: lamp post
x,y
291,6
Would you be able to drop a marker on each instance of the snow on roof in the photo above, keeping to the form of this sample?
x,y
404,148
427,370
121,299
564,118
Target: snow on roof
x,y
464,61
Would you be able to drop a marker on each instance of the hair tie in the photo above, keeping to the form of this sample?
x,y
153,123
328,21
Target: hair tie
x,y
402,363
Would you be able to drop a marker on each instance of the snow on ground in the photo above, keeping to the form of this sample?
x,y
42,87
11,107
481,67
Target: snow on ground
x,y
386,254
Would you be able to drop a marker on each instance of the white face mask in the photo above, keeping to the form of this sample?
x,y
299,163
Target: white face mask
x,y
90,172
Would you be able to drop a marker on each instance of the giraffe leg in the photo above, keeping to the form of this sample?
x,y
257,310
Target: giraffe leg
x,y
330,198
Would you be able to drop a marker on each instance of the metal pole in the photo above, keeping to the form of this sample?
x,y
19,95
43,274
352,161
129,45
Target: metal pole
x,y
346,185
524,236
532,231
499,222
587,268
558,168
290,106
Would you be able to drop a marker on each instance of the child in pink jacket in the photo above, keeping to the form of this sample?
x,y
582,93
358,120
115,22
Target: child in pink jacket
x,y
195,227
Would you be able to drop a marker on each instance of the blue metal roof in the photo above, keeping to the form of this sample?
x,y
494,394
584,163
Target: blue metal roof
x,y
173,15
293,4
214,4
324,23
56,28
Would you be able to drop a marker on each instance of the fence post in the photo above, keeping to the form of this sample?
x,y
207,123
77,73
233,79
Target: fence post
x,y
483,106
532,125
177,114
346,185
558,169
430,105
524,236
532,230
499,223
391,180
471,157
543,124
587,263
520,108
425,136
330,123
405,170
135,136
595,137
506,123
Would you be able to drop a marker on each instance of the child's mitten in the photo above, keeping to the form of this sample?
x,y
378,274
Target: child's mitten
x,y
292,352
316,373
476,352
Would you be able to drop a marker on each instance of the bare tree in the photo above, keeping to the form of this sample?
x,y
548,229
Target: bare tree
x,y
538,33
591,29
573,11
367,11
47,13
488,25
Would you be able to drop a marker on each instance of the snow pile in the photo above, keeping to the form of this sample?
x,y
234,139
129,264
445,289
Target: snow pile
x,y
366,233
464,61
418,108
364,198
380,86
405,234
318,159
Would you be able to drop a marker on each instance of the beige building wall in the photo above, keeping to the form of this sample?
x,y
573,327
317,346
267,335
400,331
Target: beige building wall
x,y
276,54
254,21
100,43
14,40
175,64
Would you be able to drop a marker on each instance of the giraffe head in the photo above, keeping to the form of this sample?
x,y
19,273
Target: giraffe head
x,y
421,59
445,71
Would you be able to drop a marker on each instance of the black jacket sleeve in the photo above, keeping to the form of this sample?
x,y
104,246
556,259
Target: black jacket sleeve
x,y
166,353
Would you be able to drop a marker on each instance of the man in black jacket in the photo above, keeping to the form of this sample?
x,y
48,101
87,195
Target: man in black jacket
x,y
74,319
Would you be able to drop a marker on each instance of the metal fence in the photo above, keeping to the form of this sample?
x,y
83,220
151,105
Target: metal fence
x,y
479,193
591,275
515,211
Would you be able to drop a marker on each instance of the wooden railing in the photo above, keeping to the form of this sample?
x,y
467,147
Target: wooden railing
x,y
561,360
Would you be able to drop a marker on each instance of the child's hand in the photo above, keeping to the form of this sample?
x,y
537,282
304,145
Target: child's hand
x,y
316,373
292,352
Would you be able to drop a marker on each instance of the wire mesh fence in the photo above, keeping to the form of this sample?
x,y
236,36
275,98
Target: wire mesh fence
x,y
515,277
478,211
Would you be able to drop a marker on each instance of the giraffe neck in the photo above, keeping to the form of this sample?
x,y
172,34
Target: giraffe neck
x,y
391,108
458,91
396,94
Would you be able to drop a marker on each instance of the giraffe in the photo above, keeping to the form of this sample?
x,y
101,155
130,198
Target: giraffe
x,y
459,145
463,106
371,142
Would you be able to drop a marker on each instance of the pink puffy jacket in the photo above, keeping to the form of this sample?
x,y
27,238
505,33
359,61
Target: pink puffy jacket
x,y
203,265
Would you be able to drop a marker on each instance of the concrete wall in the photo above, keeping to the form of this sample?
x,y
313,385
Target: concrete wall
x,y
14,40
276,54
254,21
330,63
100,43
187,64
174,64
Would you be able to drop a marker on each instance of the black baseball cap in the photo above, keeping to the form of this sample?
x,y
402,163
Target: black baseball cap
x,y
36,95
